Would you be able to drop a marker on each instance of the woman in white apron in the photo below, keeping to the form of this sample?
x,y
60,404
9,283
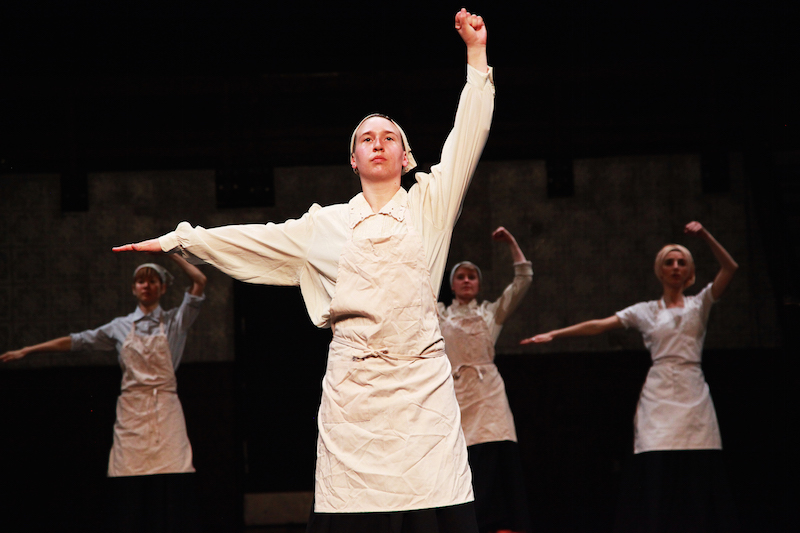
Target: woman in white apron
x,y
676,481
151,453
470,332
390,454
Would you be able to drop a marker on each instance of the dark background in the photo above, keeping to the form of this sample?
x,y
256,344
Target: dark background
x,y
94,86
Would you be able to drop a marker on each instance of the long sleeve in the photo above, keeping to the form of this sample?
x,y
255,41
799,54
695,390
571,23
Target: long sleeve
x,y
508,302
437,197
302,252
271,254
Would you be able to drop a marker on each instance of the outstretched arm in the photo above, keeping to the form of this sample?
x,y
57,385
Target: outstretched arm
x,y
61,344
501,234
584,329
198,278
472,30
727,265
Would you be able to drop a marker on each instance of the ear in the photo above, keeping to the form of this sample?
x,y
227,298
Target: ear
x,y
353,161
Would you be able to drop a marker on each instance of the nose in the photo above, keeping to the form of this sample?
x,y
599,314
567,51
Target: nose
x,y
377,146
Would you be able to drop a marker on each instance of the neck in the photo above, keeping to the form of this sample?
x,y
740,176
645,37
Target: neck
x,y
464,301
147,309
673,297
378,194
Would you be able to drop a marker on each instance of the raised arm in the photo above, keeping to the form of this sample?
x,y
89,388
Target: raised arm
x,y
198,278
61,344
501,234
584,329
472,30
727,265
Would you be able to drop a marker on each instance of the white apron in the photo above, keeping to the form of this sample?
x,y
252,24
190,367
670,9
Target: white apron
x,y
481,392
150,431
389,427
675,410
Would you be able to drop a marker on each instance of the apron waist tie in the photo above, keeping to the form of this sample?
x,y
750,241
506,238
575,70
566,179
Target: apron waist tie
x,y
673,360
383,353
476,366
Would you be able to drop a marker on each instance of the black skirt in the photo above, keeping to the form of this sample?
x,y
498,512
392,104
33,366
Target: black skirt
x,y
676,491
159,503
498,481
451,519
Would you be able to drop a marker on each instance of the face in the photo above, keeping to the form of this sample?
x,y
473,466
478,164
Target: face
x,y
466,284
675,269
148,289
378,152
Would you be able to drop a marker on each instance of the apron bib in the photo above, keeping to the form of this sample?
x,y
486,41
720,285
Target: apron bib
x,y
389,426
481,392
150,430
675,410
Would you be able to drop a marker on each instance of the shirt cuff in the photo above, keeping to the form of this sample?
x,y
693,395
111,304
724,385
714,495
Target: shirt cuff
x,y
525,268
168,242
478,78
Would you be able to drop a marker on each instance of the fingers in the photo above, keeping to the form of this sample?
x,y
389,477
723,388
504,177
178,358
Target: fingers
x,y
501,234
145,246
11,356
693,228
538,339
466,20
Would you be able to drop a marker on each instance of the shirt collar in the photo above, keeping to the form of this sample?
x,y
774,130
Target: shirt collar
x,y
396,208
155,315
462,308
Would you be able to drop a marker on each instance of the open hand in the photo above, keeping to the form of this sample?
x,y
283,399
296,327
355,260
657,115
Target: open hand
x,y
538,339
151,246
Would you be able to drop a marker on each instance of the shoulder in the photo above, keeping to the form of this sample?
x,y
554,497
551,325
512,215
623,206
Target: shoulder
x,y
704,297
637,311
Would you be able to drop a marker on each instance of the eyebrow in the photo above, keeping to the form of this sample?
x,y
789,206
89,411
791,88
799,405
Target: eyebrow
x,y
382,132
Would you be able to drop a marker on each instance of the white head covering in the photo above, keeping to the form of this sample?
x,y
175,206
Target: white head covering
x,y
412,163
163,273
468,264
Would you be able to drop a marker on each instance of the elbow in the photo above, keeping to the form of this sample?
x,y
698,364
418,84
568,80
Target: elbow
x,y
200,284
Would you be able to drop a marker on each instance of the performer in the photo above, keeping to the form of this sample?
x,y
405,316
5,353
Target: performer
x,y
390,451
151,453
470,332
676,481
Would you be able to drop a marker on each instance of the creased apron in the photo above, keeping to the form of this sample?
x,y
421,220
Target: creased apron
x,y
675,410
481,392
389,426
150,431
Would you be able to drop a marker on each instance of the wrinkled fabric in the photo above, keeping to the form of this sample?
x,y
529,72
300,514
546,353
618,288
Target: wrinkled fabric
x,y
150,432
675,409
470,332
390,430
